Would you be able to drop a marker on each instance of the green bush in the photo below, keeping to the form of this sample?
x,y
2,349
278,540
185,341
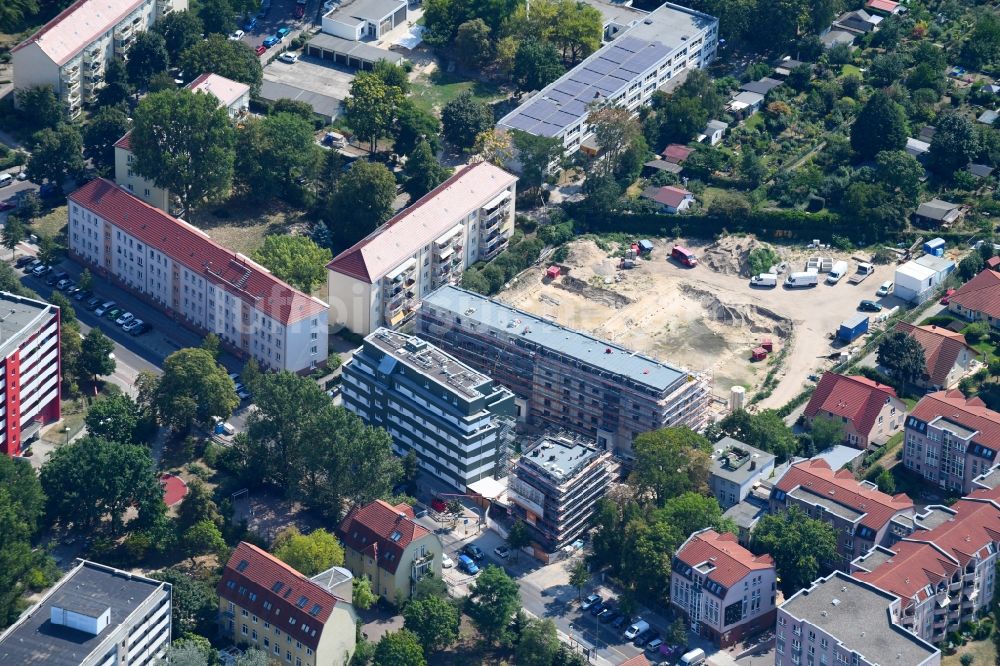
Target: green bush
x,y
762,258
976,331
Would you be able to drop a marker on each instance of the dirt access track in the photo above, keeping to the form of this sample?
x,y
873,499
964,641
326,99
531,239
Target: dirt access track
x,y
706,318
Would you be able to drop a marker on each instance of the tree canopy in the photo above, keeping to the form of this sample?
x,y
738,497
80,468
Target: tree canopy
x,y
100,135
902,356
232,59
493,600
274,154
399,648
180,31
297,260
309,554
880,125
22,504
765,430
802,547
114,418
194,387
464,118
433,620
954,145
669,462
361,201
371,106
423,172
57,154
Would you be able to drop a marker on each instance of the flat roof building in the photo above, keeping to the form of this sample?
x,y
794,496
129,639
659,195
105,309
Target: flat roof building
x,y
562,377
179,269
30,360
457,421
841,620
554,488
364,19
652,50
736,468
381,280
94,615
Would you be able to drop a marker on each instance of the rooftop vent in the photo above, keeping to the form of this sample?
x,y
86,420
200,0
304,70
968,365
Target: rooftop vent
x,y
835,601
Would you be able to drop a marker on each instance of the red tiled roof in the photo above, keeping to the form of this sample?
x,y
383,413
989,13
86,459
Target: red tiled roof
x,y
913,572
980,294
253,576
637,660
125,142
816,476
370,529
974,527
732,561
993,263
190,246
859,399
971,413
883,5
669,195
676,153
941,348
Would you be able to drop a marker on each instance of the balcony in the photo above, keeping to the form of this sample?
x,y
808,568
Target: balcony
x,y
70,74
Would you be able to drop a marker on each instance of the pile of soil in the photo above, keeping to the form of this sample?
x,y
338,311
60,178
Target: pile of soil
x,y
730,255
756,318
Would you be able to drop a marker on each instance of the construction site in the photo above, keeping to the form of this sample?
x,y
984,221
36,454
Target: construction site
x,y
707,318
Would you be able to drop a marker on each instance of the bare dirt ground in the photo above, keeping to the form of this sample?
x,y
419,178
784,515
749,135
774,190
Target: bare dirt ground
x,y
702,319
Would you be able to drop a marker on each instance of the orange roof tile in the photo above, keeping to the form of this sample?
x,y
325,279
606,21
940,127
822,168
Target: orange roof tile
x,y
856,398
382,530
980,294
731,561
971,413
941,348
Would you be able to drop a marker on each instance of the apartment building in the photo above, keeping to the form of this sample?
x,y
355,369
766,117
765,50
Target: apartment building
x,y
232,96
70,52
947,355
564,378
457,421
381,280
94,616
202,285
861,515
944,573
842,621
736,469
656,48
725,591
30,370
870,412
554,488
266,604
385,544
951,439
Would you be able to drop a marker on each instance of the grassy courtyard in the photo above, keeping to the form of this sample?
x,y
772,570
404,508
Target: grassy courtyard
x,y
432,91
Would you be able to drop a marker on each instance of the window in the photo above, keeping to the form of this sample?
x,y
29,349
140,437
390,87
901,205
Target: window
x,y
245,630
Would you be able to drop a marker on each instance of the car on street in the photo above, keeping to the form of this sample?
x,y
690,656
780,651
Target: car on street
x,y
447,562
141,327
466,564
125,318
54,279
237,35
654,645
947,297
271,41
249,26
24,261
130,325
260,50
65,284
290,58
23,175
643,637
113,313
607,610
282,33
869,306
502,552
40,270
610,617
590,601
93,302
82,295
474,551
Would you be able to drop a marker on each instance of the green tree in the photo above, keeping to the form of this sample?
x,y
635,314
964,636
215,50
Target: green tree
x,y
954,145
677,634
802,547
180,31
575,28
219,55
194,387
361,201
105,128
40,107
472,43
826,431
184,142
900,172
57,155
114,418
434,621
217,17
491,603
614,131
12,233
538,644
92,479
362,595
536,65
464,118
880,125
535,153
309,554
423,172
579,575
49,252
198,506
15,12
67,315
886,69
669,462
902,356
96,358
971,266
690,512
886,482
116,90
765,430
371,106
147,56
983,45
430,586
297,260
274,153
22,503
399,648
518,537
201,539
30,206
414,125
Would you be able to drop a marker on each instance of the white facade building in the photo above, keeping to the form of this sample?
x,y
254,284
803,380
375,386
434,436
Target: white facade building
x,y
70,52
178,268
95,616
625,72
381,280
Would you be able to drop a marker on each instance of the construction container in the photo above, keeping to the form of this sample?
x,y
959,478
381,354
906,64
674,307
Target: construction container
x,y
853,328
645,246
935,246
553,272
767,344
758,354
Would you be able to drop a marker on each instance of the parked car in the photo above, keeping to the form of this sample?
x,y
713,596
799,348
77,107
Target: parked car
x,y
260,50
290,58
607,610
40,270
466,564
474,551
55,278
644,637
869,306
598,607
143,327
447,562
114,313
238,35
885,288
104,307
590,601
24,261
125,318
620,621
654,645
93,302
130,325
282,33
82,294
636,628
65,284
271,41
502,552
610,617
947,297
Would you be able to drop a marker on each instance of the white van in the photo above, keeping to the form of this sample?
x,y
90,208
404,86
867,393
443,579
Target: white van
x,y
808,279
693,658
885,288
636,629
6,179
837,271
764,280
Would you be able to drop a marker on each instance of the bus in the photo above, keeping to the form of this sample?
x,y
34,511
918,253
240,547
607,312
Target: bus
x,y
684,256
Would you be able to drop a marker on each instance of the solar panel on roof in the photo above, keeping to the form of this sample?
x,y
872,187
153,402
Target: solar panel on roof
x,y
543,109
520,122
601,66
615,54
648,57
576,107
585,77
609,85
632,44
563,118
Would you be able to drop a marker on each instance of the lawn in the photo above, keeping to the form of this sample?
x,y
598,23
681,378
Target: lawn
x,y
850,69
983,652
431,92
240,226
50,224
